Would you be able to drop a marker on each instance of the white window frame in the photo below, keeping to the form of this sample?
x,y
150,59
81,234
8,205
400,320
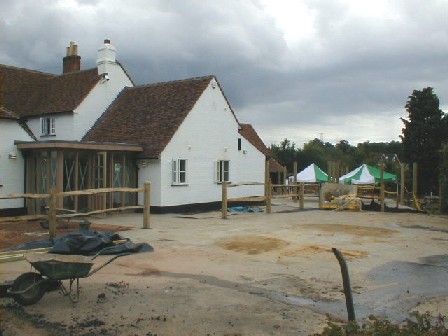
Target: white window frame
x,y
221,173
179,176
48,126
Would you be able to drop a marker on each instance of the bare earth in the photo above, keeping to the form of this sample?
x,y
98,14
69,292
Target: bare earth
x,y
252,274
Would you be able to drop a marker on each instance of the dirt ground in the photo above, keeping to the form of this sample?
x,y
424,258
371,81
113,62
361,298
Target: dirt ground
x,y
252,274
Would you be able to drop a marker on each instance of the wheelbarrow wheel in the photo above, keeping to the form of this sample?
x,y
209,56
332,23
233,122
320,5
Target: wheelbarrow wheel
x,y
28,288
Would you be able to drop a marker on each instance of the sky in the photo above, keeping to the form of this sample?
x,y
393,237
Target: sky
x,y
297,69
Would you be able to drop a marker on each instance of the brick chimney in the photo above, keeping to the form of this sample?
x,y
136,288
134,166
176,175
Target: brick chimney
x,y
71,62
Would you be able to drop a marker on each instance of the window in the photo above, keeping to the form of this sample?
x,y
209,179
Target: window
x,y
222,171
48,126
179,171
239,144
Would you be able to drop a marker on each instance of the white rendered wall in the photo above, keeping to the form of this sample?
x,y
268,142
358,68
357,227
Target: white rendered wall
x,y
12,171
75,125
151,173
208,134
102,95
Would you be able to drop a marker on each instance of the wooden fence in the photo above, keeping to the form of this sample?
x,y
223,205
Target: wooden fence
x,y
52,197
296,191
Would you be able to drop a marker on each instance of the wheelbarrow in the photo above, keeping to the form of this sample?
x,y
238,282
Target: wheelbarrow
x,y
30,287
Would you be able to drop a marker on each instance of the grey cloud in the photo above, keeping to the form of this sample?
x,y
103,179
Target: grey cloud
x,y
350,65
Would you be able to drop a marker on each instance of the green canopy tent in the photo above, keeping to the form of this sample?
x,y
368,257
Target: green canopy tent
x,y
312,173
366,174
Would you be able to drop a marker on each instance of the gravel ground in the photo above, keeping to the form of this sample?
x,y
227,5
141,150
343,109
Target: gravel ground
x,y
252,274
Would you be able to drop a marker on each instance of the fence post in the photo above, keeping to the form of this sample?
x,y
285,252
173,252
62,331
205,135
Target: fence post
x,y
346,284
402,185
268,196
382,194
52,220
415,180
295,189
224,200
147,205
302,196
285,177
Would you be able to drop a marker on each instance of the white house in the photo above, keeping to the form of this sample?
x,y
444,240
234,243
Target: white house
x,y
12,163
191,139
94,128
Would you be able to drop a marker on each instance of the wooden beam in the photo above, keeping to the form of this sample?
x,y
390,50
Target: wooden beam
x,y
78,145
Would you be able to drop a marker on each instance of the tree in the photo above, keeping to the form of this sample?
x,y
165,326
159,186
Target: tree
x,y
423,134
285,153
444,178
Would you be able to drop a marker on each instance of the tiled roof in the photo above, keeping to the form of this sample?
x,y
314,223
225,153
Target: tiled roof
x,y
275,166
5,114
248,132
148,115
33,93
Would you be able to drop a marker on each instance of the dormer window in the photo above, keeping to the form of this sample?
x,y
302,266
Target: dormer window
x,y
48,126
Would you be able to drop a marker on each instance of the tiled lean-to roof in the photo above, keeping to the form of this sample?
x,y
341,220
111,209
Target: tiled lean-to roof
x,y
148,115
32,93
249,133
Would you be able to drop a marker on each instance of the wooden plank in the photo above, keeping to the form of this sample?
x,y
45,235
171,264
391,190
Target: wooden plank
x,y
99,191
6,220
243,184
95,212
285,196
10,196
247,199
41,249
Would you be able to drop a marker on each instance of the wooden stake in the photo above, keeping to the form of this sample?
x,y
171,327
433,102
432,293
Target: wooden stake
x,y
302,196
268,197
294,198
382,188
415,179
346,284
224,200
402,186
147,205
52,221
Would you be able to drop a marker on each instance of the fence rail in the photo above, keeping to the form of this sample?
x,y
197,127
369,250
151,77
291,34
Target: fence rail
x,y
52,197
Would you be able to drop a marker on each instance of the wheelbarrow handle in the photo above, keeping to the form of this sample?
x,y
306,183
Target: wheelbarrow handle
x,y
103,251
107,262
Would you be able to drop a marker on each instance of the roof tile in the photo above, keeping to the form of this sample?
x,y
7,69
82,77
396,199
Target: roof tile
x,y
33,93
148,115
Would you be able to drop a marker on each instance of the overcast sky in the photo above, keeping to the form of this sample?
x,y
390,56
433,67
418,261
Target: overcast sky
x,y
296,69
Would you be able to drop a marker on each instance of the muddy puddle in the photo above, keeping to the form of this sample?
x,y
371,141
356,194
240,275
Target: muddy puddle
x,y
401,287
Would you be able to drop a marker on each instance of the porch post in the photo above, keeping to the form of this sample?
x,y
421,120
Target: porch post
x,y
60,177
